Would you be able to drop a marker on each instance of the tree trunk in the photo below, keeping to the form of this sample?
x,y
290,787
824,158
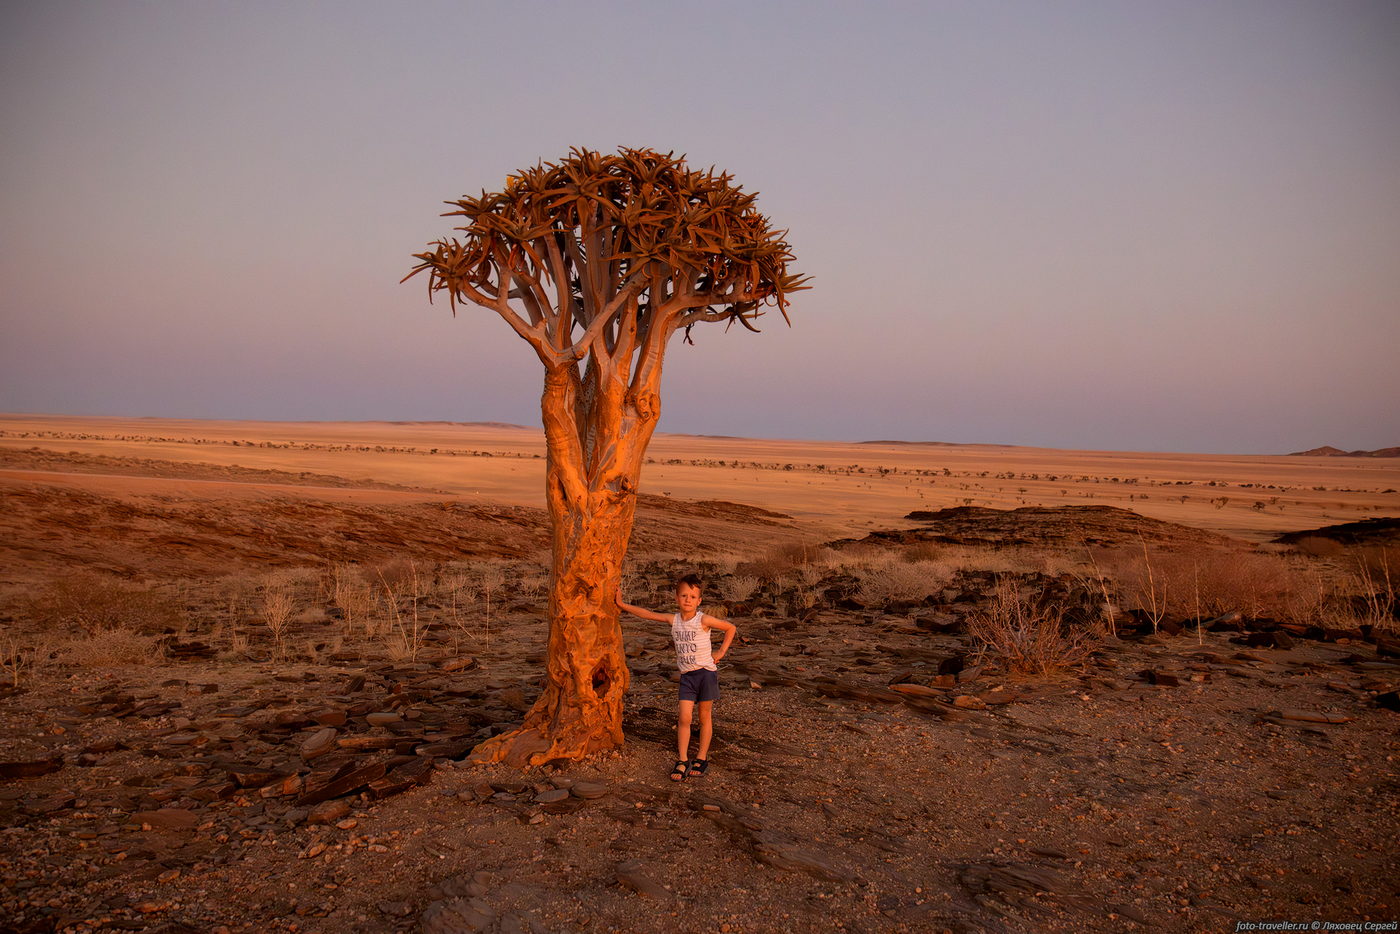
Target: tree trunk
x,y
596,441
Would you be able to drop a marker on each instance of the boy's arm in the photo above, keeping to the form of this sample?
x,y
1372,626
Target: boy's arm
x,y
726,627
638,611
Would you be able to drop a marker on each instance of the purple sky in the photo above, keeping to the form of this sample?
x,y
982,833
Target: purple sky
x,y
1120,225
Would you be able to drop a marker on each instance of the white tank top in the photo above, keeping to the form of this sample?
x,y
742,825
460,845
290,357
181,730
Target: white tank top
x,y
693,648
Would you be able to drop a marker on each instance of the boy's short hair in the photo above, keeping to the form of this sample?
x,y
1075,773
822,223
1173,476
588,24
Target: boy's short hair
x,y
692,580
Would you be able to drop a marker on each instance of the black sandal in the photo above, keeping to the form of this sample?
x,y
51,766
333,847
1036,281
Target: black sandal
x,y
679,772
699,767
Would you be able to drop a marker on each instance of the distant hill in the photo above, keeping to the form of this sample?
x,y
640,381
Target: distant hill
x,y
1328,451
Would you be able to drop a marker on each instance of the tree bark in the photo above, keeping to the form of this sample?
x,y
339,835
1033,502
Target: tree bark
x,y
597,432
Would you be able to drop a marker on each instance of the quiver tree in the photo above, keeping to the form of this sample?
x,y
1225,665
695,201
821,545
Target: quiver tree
x,y
597,261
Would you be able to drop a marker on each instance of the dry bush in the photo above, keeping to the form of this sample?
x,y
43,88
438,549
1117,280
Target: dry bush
x,y
1206,582
1256,585
532,584
93,605
1030,636
923,551
22,659
782,561
352,594
1316,546
111,647
739,588
900,581
276,605
1310,592
1374,575
402,589
490,581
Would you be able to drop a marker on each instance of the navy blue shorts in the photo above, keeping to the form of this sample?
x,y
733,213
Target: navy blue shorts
x,y
702,684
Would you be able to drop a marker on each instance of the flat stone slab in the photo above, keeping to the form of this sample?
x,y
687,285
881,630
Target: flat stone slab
x,y
30,768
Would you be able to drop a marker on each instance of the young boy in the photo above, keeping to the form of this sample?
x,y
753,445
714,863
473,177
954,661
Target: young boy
x,y
690,630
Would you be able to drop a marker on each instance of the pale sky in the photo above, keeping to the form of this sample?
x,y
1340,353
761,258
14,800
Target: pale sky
x,y
1120,225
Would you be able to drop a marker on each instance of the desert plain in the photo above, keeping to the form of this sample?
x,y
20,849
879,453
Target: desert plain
x,y
977,688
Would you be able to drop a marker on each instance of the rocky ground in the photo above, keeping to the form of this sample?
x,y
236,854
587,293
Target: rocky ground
x,y
869,774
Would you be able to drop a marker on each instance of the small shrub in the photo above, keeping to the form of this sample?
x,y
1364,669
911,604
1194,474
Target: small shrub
x,y
1030,637
111,647
401,594
277,603
350,592
740,587
900,582
781,561
22,660
1374,578
1204,581
1316,546
93,605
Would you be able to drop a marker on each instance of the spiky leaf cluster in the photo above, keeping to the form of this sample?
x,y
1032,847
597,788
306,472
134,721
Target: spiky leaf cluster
x,y
596,244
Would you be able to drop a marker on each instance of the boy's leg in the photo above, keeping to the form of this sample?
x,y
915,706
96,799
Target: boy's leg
x,y
706,729
683,729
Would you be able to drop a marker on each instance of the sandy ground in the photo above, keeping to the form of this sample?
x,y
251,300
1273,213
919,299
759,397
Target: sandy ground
x,y
1171,783
831,487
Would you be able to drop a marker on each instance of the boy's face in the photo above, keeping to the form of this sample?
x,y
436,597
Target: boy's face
x,y
687,600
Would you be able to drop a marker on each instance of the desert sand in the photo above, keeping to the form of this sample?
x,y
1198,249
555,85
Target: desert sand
x,y
1230,760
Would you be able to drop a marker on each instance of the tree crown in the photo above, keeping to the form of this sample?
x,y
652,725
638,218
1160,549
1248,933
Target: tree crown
x,y
600,253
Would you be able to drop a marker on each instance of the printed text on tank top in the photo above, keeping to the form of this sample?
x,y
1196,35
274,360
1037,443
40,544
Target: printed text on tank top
x,y
693,646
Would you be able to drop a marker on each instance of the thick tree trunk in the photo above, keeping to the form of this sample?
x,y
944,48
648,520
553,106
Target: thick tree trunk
x,y
596,446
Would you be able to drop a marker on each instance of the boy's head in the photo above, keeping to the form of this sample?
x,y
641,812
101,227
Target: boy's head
x,y
688,594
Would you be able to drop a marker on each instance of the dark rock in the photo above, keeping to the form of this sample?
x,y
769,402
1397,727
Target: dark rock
x,y
402,778
952,664
167,819
457,916
285,785
353,780
916,690
1011,883
248,778
331,716
320,743
454,749
1390,700
1313,716
328,812
588,790
1159,678
467,885
631,876
30,768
